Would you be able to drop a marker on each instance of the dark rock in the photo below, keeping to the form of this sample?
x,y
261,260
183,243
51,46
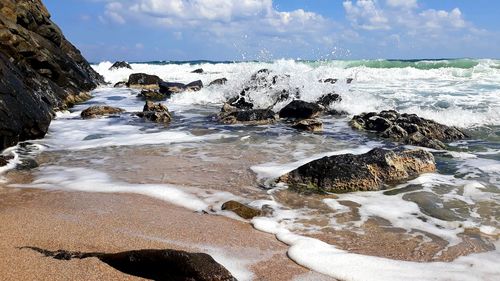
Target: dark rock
x,y
120,85
407,128
194,86
232,115
336,112
4,159
240,102
199,70
40,71
155,112
299,109
100,110
143,81
120,64
220,81
241,210
311,125
169,88
153,264
329,80
349,80
365,172
328,99
152,95
27,164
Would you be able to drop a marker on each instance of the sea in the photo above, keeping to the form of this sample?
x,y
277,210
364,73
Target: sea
x,y
438,226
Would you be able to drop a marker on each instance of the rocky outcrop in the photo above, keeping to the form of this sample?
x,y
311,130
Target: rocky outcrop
x,y
120,64
155,112
219,81
233,115
364,172
407,128
143,81
40,71
299,109
153,264
100,110
241,209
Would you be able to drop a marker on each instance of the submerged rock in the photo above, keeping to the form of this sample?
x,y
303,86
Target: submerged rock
x,y
194,86
311,125
220,81
152,95
299,109
27,164
100,110
120,64
143,81
155,112
120,84
169,88
40,71
329,80
232,115
154,264
364,172
328,99
4,160
199,70
241,210
407,128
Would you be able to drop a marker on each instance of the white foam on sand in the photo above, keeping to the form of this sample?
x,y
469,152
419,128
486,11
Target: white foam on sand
x,y
326,259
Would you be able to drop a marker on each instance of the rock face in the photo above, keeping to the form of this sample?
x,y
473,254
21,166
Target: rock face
x,y
100,110
153,264
365,172
120,64
241,210
40,71
233,115
143,81
155,112
299,109
407,128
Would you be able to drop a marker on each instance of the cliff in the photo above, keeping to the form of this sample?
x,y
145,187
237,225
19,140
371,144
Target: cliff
x,y
40,71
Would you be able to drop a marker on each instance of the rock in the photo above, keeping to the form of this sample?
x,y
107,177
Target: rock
x,y
329,80
152,95
241,210
299,109
232,115
100,110
169,88
120,64
154,264
364,172
220,81
40,71
4,159
240,102
143,81
407,128
27,164
199,70
194,86
311,125
328,99
155,112
120,84
349,80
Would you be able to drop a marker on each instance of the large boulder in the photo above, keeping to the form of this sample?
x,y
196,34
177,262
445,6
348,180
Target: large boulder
x,y
299,109
155,112
154,264
364,172
120,64
40,71
233,115
100,110
407,128
143,81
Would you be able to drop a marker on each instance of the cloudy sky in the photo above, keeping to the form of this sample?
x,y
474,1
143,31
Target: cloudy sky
x,y
144,30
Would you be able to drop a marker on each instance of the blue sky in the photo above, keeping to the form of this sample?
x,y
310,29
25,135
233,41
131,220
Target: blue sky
x,y
144,30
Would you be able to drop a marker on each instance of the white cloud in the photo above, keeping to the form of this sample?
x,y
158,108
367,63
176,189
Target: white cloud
x,y
406,4
365,14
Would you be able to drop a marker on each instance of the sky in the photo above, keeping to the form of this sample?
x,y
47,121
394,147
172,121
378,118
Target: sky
x,y
234,30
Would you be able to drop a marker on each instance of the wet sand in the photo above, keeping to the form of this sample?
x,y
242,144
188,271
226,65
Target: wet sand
x,y
96,222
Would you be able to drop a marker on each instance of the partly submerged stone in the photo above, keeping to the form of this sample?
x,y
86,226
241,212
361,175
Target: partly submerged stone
x,y
219,81
232,115
241,209
4,159
120,64
120,84
199,70
328,99
152,95
311,125
155,112
169,88
407,128
364,172
299,109
143,81
100,110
